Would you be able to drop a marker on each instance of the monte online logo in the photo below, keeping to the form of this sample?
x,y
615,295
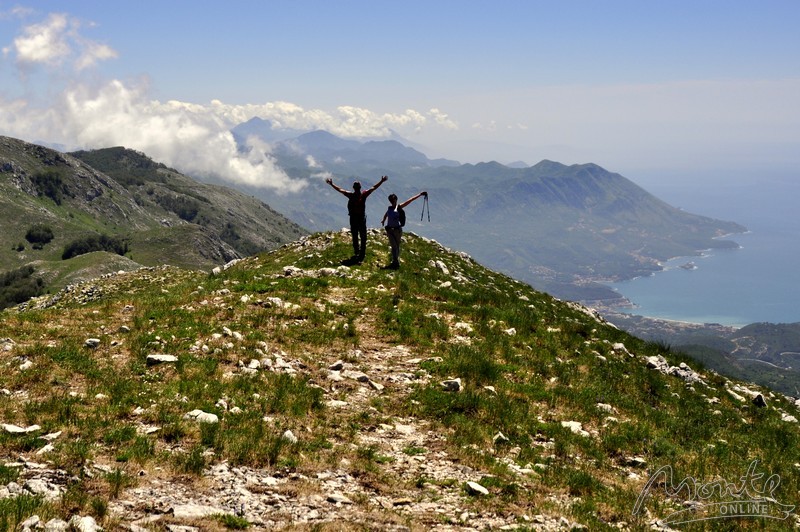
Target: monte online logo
x,y
719,499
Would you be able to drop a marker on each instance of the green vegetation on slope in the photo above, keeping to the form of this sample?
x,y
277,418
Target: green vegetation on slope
x,y
557,413
55,206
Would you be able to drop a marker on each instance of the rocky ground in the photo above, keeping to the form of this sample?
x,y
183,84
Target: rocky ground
x,y
431,489
384,470
427,488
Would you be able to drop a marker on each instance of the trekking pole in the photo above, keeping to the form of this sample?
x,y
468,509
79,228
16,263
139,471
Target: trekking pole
x,y
424,205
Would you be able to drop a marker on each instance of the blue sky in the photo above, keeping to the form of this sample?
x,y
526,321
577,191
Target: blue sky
x,y
639,87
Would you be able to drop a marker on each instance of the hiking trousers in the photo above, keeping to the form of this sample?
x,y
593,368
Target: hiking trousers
x,y
358,230
395,235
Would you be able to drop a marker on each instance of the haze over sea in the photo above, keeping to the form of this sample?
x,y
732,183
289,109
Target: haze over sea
x,y
756,283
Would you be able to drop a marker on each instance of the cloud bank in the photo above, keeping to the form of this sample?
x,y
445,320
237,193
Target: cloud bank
x,y
193,138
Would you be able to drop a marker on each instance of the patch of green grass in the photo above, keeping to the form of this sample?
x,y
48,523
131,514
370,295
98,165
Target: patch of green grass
x,y
15,510
413,450
140,450
233,522
117,481
8,474
192,462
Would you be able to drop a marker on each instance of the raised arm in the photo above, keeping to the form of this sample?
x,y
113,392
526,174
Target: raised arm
x,y
409,200
379,183
338,189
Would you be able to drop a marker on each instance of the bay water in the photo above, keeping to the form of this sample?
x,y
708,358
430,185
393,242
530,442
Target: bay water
x,y
759,282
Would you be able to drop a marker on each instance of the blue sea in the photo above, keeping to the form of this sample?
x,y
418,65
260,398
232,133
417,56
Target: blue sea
x,y
759,282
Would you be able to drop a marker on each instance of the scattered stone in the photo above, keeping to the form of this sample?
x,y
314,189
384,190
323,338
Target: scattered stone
x,y
30,522
500,438
406,430
604,407
49,448
84,524
452,385
682,371
636,461
355,375
202,417
759,401
37,486
92,342
14,429
195,511
159,358
289,437
463,327
336,366
576,427
736,396
439,265
338,498
620,347
473,488
50,437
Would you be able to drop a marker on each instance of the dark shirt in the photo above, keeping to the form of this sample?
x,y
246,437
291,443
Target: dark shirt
x,y
357,203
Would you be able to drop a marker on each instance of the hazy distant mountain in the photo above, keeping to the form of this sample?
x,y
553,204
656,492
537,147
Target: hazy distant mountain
x,y
117,202
262,129
559,227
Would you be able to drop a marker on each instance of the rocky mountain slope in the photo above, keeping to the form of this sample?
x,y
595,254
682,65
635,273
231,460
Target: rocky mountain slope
x,y
287,391
147,212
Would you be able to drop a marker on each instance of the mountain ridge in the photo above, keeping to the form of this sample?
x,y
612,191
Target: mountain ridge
x,y
51,200
287,391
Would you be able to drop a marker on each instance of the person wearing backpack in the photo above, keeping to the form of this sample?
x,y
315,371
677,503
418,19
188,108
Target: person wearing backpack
x,y
356,208
393,220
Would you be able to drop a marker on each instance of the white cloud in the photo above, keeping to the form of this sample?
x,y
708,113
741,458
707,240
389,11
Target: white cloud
x,y
442,119
54,42
16,12
44,43
344,121
92,53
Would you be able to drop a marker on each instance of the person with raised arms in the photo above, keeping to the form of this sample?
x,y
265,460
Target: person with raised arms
x,y
356,208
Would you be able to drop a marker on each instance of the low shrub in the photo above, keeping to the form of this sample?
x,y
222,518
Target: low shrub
x,y
39,235
95,242
18,286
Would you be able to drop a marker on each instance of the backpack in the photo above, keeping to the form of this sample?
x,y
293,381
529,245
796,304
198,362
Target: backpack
x,y
402,216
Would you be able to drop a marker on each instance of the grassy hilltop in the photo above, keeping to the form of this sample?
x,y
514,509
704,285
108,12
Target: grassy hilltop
x,y
310,396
